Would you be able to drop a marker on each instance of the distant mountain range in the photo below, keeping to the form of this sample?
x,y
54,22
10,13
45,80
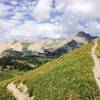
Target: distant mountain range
x,y
45,47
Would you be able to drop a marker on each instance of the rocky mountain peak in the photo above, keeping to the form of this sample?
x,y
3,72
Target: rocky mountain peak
x,y
85,35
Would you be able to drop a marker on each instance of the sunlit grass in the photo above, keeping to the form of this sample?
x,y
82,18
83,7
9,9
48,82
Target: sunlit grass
x,y
70,76
98,49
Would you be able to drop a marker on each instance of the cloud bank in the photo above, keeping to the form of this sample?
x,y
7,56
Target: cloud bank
x,y
34,19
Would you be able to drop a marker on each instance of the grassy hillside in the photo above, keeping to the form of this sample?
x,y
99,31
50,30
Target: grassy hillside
x,y
69,77
98,49
7,74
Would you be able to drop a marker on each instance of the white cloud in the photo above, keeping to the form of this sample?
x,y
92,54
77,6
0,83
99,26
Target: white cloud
x,y
75,12
80,8
61,5
8,25
14,2
5,25
18,16
42,10
3,9
32,30
93,27
87,9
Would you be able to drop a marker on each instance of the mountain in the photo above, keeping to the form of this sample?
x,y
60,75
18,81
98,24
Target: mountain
x,y
86,36
67,47
47,47
67,77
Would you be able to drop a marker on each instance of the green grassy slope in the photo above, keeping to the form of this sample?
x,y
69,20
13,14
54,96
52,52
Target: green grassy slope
x,y
69,76
98,49
9,74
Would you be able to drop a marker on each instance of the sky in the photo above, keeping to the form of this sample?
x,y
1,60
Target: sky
x,y
36,19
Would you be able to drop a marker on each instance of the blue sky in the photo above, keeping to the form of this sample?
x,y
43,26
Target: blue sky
x,y
35,19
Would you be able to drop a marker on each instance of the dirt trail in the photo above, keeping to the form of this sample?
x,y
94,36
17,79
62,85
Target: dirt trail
x,y
20,92
96,69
